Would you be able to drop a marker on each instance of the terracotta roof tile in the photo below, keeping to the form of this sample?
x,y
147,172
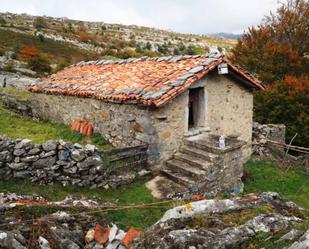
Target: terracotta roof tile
x,y
147,81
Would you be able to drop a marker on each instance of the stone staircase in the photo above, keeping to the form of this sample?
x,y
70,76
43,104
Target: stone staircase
x,y
200,160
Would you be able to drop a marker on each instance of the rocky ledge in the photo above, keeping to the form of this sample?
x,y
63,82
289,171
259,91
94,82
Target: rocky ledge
x,y
252,221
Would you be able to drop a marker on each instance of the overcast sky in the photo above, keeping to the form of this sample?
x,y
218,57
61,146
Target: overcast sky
x,y
189,16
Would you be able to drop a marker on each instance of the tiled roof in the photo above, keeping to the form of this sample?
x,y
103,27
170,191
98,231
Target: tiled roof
x,y
146,81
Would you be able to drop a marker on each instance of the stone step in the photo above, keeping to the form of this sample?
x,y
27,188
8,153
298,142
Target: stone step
x,y
193,161
202,145
199,153
206,145
185,169
177,177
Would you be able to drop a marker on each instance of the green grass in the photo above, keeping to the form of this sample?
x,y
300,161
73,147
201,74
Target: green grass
x,y
39,131
24,95
16,126
135,193
291,184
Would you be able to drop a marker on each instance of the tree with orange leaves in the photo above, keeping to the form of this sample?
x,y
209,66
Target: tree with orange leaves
x,y
277,51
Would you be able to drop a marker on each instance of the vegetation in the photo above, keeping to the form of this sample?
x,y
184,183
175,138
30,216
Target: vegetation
x,y
133,194
57,51
277,51
39,62
292,184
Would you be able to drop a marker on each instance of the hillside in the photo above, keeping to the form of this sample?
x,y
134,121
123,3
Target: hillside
x,y
61,41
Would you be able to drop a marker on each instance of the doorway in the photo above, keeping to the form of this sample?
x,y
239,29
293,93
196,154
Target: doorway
x,y
196,107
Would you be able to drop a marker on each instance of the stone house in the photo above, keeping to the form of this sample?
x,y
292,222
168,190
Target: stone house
x,y
157,101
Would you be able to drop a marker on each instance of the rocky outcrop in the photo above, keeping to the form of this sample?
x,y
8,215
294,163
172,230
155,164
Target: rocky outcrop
x,y
228,223
263,132
58,161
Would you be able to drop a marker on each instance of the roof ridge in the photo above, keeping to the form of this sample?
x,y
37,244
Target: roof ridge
x,y
171,58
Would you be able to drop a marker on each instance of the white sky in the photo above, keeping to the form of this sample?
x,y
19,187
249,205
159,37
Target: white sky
x,y
189,16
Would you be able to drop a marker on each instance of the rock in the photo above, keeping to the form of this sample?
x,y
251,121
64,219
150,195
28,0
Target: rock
x,y
24,143
34,151
302,243
291,235
50,145
48,154
77,146
19,152
4,240
18,166
30,158
113,245
44,163
71,170
120,235
25,174
89,162
90,148
89,235
143,172
43,243
98,246
17,245
68,244
112,233
4,156
78,155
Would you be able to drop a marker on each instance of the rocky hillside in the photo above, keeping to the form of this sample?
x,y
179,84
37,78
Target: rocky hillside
x,y
57,42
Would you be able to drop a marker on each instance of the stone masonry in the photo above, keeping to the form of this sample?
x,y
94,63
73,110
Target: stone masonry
x,y
57,161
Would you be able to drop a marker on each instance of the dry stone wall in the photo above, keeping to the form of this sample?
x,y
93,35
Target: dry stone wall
x,y
57,161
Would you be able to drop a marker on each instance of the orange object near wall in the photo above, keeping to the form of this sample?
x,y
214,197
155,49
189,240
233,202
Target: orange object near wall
x,y
89,130
83,127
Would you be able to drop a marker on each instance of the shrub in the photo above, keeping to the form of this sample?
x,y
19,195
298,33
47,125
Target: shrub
x,y
287,102
2,22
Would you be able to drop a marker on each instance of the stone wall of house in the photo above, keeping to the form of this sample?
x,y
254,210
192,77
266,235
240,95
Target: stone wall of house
x,y
122,124
229,109
58,161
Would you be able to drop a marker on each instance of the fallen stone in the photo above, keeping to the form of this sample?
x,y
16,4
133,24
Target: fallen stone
x,y
130,236
101,234
89,235
43,243
112,233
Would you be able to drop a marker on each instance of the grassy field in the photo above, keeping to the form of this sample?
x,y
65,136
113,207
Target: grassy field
x,y
292,184
16,126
